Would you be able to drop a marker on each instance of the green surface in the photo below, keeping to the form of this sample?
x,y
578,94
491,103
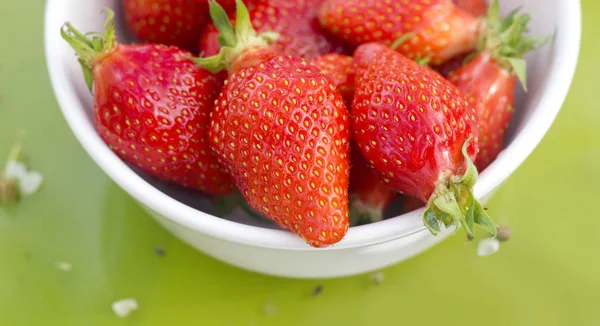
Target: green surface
x,y
546,275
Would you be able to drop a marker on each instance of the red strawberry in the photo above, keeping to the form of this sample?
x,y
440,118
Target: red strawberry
x,y
281,130
476,8
151,107
489,79
369,197
169,22
340,68
420,134
301,35
437,29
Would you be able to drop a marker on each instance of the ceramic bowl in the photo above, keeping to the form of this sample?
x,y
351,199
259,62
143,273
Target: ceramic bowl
x,y
261,247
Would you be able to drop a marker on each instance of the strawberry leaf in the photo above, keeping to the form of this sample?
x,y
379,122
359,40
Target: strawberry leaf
x,y
221,21
430,220
519,66
90,50
233,40
243,24
504,38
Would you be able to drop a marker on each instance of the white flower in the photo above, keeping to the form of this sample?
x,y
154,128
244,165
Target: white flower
x,y
124,307
27,181
30,182
15,170
487,247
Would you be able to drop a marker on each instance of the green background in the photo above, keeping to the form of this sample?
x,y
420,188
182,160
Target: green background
x,y
546,275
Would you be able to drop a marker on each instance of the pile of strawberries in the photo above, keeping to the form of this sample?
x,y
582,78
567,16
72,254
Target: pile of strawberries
x,y
319,113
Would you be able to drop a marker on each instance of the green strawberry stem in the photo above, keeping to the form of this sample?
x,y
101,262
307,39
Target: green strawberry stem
x,y
9,190
91,50
234,41
504,39
452,203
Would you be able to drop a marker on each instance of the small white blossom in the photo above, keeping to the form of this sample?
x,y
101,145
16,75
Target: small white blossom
x,y
124,307
487,247
15,170
63,266
30,182
27,182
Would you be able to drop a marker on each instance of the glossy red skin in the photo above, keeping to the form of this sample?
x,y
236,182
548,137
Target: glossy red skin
x,y
301,35
441,29
490,88
476,8
340,68
152,108
367,187
281,131
229,5
409,122
169,22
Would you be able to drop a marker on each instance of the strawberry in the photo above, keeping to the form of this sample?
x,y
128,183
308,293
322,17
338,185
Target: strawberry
x,y
340,68
436,29
168,22
420,134
476,8
489,79
151,107
281,130
301,35
369,197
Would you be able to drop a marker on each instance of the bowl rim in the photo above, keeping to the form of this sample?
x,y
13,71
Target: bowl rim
x,y
566,47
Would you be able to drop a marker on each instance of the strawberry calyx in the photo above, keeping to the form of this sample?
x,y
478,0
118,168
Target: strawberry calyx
x,y
91,50
453,203
503,38
234,41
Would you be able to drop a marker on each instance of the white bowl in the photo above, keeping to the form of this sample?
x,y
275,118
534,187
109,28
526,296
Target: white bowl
x,y
273,251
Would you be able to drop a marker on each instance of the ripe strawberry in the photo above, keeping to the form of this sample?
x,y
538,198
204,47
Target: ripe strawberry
x,y
281,130
340,68
369,197
476,8
301,35
151,107
489,79
437,29
420,134
168,22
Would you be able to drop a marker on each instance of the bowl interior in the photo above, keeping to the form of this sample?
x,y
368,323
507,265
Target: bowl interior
x,y
87,17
